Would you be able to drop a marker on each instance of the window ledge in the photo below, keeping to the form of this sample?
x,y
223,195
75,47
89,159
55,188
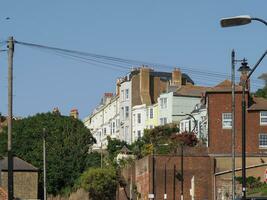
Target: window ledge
x,y
227,128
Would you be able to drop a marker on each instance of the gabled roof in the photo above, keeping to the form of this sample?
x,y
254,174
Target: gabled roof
x,y
125,150
191,90
18,165
259,103
224,86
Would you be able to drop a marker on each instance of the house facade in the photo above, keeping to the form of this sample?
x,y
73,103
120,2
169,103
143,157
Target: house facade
x,y
105,121
220,120
196,122
25,179
135,106
174,106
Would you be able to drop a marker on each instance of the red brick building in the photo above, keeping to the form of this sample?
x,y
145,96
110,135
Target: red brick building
x,y
208,169
219,104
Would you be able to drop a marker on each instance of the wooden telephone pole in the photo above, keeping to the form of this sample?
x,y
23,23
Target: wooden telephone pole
x,y
10,118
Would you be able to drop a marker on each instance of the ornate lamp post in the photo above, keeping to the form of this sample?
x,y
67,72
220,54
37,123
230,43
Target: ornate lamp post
x,y
238,21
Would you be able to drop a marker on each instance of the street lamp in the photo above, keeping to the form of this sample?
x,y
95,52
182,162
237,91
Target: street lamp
x,y
239,20
244,69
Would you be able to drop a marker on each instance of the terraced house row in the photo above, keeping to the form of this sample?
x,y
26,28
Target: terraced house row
x,y
144,99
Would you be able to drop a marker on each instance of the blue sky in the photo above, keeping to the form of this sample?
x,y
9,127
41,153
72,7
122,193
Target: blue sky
x,y
185,34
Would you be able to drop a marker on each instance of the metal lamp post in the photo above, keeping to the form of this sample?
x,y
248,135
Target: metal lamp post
x,y
244,69
237,21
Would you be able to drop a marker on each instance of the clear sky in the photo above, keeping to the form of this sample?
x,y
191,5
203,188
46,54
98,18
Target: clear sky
x,y
178,33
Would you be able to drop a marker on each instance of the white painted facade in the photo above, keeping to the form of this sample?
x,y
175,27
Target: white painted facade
x,y
201,128
172,108
104,122
139,121
125,101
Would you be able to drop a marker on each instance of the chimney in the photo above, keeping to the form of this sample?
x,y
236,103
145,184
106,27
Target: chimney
x,y
176,78
74,113
118,85
145,85
56,111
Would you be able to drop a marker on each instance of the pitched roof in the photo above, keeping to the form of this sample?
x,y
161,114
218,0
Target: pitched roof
x,y
18,165
125,150
224,86
191,90
259,103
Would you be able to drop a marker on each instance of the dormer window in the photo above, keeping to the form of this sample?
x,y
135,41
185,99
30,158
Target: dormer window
x,y
263,118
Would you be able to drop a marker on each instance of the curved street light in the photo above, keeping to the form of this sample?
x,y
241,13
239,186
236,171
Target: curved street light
x,y
237,21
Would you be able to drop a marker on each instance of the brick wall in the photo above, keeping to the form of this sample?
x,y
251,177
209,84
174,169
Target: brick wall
x,y
219,138
253,118
200,167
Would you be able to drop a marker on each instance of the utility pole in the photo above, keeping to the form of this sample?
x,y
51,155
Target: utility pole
x,y
44,160
182,171
101,155
10,117
153,172
174,182
233,124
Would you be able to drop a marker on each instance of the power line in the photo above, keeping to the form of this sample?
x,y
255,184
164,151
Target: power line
x,y
88,61
123,64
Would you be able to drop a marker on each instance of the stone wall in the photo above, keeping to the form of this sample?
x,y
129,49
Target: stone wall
x,y
25,184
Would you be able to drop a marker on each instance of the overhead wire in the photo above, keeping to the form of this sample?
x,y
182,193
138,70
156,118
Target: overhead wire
x,y
126,64
85,60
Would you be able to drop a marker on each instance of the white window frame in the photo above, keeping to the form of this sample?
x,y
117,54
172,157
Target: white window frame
x,y
122,95
139,118
263,139
163,120
163,103
122,110
225,121
151,113
263,117
139,134
127,94
127,112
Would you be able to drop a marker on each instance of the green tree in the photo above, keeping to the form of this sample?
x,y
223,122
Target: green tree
x,y
158,140
100,183
114,147
68,141
262,92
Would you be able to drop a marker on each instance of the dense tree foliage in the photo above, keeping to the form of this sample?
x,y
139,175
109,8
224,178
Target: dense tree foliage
x,y
100,183
67,139
114,147
262,92
158,140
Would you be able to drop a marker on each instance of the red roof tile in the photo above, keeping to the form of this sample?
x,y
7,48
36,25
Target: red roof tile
x,y
191,90
224,86
258,104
